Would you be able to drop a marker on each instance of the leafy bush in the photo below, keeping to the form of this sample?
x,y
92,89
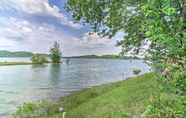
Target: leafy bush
x,y
37,110
38,59
166,106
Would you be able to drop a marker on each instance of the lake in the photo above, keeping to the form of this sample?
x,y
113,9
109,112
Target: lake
x,y
24,83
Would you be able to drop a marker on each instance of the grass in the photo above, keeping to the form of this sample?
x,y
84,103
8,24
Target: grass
x,y
125,99
19,63
15,63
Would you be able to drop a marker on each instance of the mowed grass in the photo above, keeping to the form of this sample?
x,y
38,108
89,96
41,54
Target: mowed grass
x,y
125,99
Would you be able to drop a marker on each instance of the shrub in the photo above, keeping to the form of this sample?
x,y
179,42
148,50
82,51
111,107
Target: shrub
x,y
166,106
41,109
38,59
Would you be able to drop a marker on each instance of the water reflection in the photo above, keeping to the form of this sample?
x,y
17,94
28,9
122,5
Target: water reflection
x,y
67,61
55,73
35,66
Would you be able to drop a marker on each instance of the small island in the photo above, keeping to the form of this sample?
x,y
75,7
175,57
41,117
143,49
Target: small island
x,y
35,58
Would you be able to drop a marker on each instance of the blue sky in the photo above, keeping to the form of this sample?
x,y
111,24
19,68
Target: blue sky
x,y
33,25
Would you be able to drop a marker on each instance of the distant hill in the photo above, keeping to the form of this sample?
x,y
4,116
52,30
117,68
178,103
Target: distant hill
x,y
104,57
4,53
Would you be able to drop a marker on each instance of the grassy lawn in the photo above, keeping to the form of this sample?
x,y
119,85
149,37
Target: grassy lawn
x,y
125,99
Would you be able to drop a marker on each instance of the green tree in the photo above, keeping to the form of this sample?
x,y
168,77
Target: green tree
x,y
55,53
165,26
162,22
38,59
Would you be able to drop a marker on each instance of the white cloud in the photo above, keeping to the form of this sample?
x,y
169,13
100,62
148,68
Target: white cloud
x,y
94,38
19,33
29,36
31,7
7,4
6,42
71,23
92,43
24,35
38,7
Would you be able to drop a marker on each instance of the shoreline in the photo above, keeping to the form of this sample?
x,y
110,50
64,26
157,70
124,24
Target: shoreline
x,y
9,63
130,96
23,63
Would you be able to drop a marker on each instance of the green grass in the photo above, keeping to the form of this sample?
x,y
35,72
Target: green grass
x,y
19,63
125,99
15,63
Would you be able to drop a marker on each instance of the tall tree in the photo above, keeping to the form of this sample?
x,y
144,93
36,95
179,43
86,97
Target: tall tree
x,y
162,22
55,53
135,17
110,16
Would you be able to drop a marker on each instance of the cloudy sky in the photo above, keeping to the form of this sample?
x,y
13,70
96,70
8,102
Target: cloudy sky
x,y
33,25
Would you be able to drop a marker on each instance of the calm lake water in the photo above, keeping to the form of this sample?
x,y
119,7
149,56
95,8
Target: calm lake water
x,y
24,83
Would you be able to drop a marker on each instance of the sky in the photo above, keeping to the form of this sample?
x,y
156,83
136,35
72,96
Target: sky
x,y
34,25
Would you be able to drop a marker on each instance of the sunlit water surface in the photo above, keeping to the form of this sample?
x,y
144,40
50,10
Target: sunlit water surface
x,y
24,83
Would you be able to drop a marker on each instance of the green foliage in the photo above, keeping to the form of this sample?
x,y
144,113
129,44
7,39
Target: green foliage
x,y
37,110
165,106
39,59
55,53
110,16
162,22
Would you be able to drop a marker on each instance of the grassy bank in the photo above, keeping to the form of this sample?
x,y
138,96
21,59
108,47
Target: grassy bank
x,y
118,100
20,63
15,63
